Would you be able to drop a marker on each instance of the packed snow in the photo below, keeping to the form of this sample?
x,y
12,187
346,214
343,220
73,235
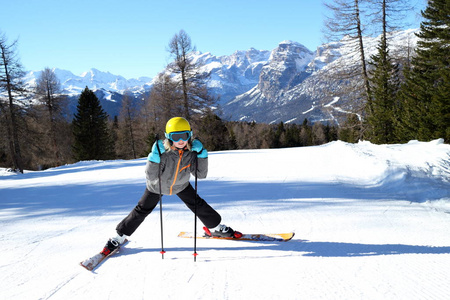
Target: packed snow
x,y
370,222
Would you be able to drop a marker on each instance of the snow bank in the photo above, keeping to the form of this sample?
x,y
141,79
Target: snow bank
x,y
418,170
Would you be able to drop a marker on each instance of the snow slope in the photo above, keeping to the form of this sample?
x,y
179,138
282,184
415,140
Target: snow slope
x,y
371,222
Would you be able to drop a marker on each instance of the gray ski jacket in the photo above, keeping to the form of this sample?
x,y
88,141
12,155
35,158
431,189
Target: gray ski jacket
x,y
176,168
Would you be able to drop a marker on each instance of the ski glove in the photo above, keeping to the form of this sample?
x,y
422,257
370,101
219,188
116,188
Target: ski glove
x,y
197,146
154,155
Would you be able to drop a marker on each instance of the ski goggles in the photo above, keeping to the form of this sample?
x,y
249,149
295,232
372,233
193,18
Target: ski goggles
x,y
179,135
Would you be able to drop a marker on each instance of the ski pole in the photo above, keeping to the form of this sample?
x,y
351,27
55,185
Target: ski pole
x,y
195,210
160,199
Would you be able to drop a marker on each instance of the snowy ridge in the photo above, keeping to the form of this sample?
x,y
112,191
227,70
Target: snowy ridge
x,y
370,221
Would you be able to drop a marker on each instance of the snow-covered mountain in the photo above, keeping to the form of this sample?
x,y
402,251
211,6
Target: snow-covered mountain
x,y
95,80
289,83
296,84
232,75
286,68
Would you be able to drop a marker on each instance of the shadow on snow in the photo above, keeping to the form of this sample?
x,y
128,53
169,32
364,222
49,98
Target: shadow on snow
x,y
104,198
303,248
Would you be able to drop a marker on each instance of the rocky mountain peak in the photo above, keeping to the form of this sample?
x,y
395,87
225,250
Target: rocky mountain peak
x,y
285,69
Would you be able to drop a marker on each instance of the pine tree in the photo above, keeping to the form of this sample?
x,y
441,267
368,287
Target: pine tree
x,y
291,136
331,133
277,136
233,144
381,108
90,129
426,93
350,130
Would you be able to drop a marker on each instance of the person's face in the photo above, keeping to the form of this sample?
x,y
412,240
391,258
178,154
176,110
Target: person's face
x,y
180,144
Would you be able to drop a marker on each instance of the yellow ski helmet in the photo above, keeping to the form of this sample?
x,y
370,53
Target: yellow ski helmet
x,y
177,124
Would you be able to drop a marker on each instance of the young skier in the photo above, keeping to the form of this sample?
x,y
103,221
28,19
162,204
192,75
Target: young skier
x,y
175,157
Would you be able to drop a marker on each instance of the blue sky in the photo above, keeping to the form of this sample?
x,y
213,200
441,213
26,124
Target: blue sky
x,y
130,38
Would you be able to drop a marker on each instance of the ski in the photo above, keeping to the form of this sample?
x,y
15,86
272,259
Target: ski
x,y
91,263
272,237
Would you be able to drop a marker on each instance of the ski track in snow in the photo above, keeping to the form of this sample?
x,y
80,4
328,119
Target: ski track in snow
x,y
371,222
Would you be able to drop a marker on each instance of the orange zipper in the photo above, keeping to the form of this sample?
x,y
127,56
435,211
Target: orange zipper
x,y
180,154
184,168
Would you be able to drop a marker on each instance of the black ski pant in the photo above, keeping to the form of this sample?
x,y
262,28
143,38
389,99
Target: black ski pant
x,y
207,215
